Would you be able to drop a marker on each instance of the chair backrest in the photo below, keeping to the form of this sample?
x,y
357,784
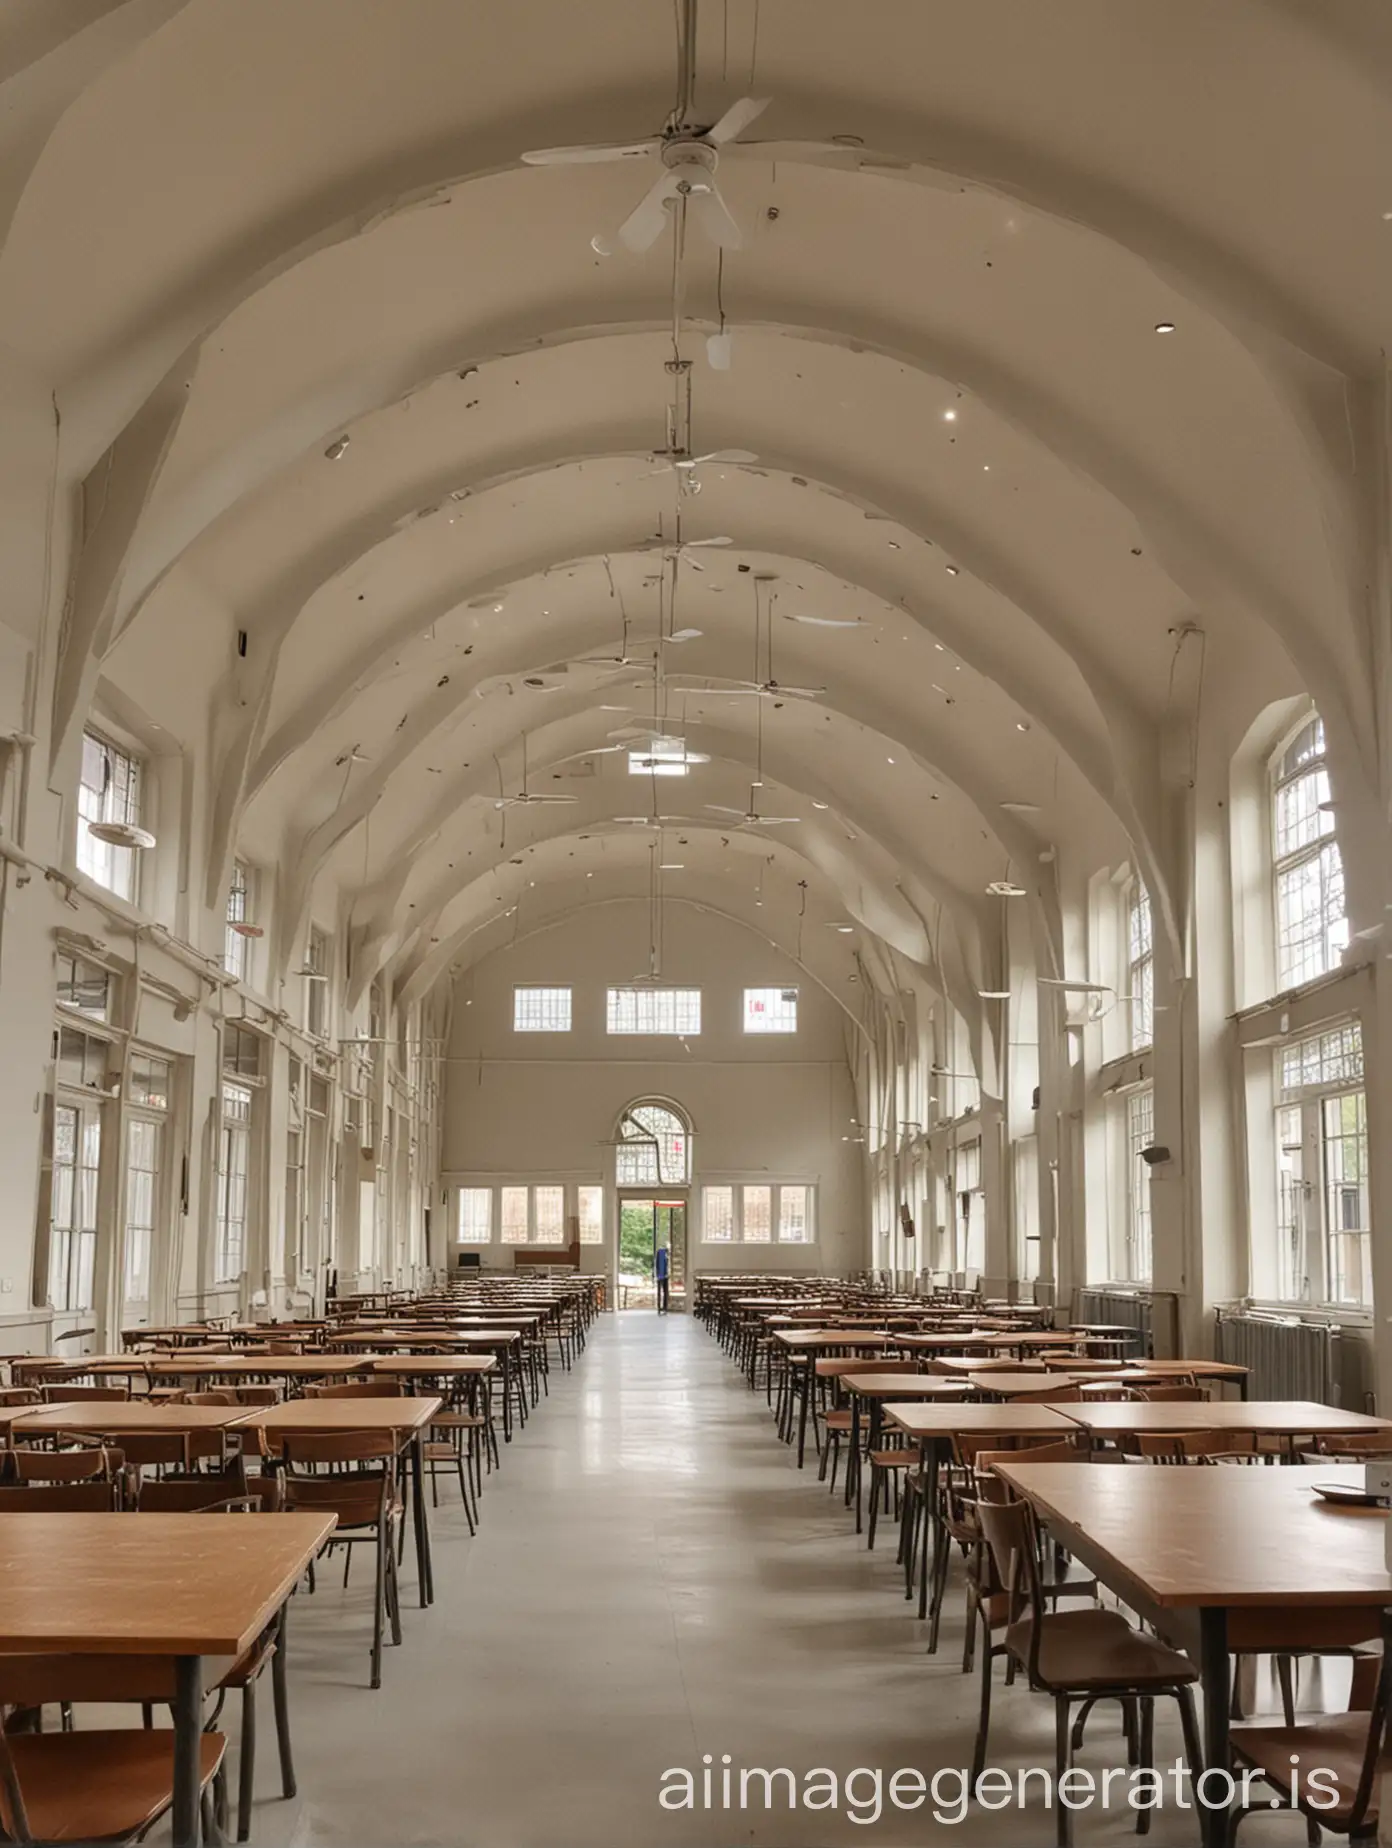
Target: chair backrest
x,y
1355,1443
84,1395
1172,1395
256,1395
883,1366
202,1494
19,1395
1008,1529
337,1447
1065,1450
92,1464
221,1395
156,1449
1369,1777
1048,1395
356,1389
359,1499
61,1498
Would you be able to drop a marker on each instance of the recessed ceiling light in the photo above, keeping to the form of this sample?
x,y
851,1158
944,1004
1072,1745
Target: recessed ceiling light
x,y
1021,808
1164,327
844,929
985,468
889,760
949,416
894,545
994,994
1022,724
671,866
952,570
497,609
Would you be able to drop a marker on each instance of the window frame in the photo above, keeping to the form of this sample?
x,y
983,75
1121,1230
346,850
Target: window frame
x,y
776,1023
544,995
1305,1106
1140,965
1321,851
122,864
493,1186
738,1187
233,1134
236,949
618,993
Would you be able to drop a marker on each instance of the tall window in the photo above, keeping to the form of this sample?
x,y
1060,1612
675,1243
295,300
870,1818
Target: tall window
x,y
548,1212
654,1010
1311,929
236,947
1140,1134
1140,967
970,1208
109,789
654,1148
513,1216
475,1215
234,1168
541,1010
149,1096
761,1213
1324,1248
590,1203
316,982
73,1206
770,1010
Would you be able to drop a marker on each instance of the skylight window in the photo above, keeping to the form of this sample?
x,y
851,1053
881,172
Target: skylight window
x,y
770,1010
541,1010
654,1010
660,757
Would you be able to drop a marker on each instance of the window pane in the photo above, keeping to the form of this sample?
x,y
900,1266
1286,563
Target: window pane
x,y
549,1205
718,1215
108,790
1140,1134
1324,1058
149,1081
1311,929
758,1215
770,1010
84,986
1347,1215
1292,1262
653,1148
654,1010
236,947
792,1215
143,1143
475,1215
1141,968
541,1010
591,1204
514,1215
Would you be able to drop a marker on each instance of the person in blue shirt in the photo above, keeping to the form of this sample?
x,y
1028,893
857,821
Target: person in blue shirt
x,y
661,1268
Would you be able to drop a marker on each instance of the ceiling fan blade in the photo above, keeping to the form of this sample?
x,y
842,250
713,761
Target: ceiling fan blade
x,y
587,156
719,808
829,622
736,119
715,219
775,691
775,821
648,220
719,352
690,545
685,635
727,455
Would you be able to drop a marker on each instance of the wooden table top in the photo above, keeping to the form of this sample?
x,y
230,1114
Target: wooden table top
x,y
95,1364
383,1339
1009,1385
327,1415
1270,1417
980,1418
1220,1537
809,1340
115,1418
1133,1371
149,1584
423,1366
944,1340
245,1366
905,1386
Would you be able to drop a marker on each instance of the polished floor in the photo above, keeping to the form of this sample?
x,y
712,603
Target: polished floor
x,y
653,1582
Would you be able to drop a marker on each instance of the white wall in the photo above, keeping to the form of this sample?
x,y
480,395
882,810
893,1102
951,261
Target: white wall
x,y
761,1106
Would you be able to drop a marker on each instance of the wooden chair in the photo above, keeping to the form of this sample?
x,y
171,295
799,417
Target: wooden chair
x,y
1171,1394
158,1450
1351,1746
88,1786
92,1463
99,1497
361,1493
19,1395
85,1395
1080,1656
356,1389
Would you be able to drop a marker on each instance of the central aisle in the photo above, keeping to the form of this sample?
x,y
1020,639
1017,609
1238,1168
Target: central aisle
x,y
652,1581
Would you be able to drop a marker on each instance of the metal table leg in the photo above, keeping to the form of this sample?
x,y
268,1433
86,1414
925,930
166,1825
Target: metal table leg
x,y
808,1370
1215,1675
423,1571
188,1736
930,1514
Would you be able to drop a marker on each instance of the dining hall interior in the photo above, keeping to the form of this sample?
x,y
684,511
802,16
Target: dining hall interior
x,y
695,858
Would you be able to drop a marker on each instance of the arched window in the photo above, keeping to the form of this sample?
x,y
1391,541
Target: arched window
x,y
1311,928
654,1147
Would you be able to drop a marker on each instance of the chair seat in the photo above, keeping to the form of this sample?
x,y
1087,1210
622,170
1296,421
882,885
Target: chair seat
x,y
1098,1649
893,1459
100,1786
442,1452
837,1421
458,1421
249,1665
1336,1742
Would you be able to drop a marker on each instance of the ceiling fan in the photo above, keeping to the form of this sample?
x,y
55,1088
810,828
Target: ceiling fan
x,y
668,459
829,622
648,821
751,818
525,798
689,156
678,549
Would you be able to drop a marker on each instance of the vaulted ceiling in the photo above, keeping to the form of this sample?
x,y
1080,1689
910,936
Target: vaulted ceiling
x,y
1054,366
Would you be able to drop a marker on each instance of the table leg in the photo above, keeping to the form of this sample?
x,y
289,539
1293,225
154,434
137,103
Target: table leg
x,y
853,1459
872,1442
507,1397
1216,1679
930,1514
188,1734
423,1572
803,1395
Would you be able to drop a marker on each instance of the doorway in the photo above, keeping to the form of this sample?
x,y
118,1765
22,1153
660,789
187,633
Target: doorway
x,y
645,1223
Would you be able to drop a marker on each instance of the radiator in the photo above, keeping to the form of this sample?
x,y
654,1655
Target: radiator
x,y
1126,1308
1289,1359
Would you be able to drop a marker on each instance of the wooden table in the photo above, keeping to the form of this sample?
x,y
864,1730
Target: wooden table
x,y
1288,1418
877,1387
245,1366
404,1419
935,1426
177,1585
1222,1560
814,1341
124,1418
1011,1385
